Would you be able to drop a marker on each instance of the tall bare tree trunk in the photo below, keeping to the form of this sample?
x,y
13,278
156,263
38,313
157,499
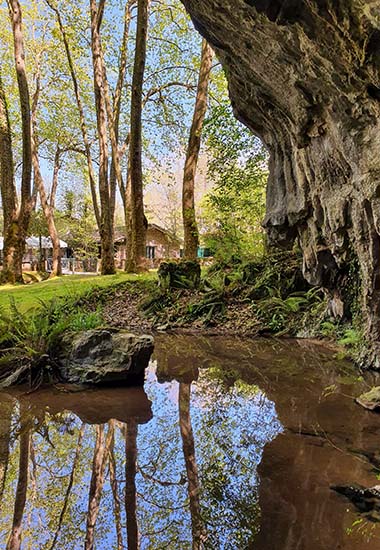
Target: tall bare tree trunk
x,y
117,153
197,526
14,541
56,169
191,236
12,270
105,214
107,222
18,222
130,484
83,125
138,223
23,88
47,209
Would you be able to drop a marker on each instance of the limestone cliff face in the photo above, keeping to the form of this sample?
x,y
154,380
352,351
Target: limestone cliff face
x,y
304,75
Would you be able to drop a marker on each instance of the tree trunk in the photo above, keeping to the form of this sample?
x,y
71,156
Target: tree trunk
x,y
191,236
57,258
54,183
47,209
304,76
23,89
117,153
107,222
83,126
138,223
14,541
16,221
197,526
105,214
130,484
114,114
12,268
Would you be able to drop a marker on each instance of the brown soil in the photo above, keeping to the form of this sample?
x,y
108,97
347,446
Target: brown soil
x,y
123,310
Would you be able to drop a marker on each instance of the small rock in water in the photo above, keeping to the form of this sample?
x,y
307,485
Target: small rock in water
x,y
365,500
370,400
106,357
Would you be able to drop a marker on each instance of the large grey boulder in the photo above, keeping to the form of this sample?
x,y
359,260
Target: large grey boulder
x,y
105,357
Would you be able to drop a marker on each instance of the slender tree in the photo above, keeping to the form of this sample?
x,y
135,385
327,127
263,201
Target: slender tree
x,y
105,193
16,216
137,223
11,270
104,212
46,205
191,236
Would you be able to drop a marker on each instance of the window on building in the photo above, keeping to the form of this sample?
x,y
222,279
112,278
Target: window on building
x,y
150,252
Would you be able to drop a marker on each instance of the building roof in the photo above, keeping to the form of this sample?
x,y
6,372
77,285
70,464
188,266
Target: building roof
x,y
34,242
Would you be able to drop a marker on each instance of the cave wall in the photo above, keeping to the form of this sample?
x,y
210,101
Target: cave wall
x,y
304,76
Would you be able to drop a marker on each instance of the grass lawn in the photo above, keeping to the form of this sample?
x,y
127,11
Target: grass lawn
x,y
29,296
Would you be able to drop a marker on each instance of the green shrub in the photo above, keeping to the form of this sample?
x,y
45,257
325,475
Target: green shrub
x,y
29,341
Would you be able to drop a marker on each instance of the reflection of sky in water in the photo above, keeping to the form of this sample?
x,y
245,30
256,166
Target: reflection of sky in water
x,y
230,425
230,430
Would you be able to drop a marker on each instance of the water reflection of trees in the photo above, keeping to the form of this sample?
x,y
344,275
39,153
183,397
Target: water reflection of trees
x,y
130,484
14,541
184,479
197,524
5,431
49,462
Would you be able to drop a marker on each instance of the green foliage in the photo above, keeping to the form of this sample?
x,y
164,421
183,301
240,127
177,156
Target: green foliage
x,y
268,294
328,329
351,338
29,341
182,274
234,209
76,222
275,311
27,335
209,308
38,225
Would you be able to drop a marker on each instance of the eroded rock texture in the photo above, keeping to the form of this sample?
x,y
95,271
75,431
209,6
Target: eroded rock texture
x,y
304,76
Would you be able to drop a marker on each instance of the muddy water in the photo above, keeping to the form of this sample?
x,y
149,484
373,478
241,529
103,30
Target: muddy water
x,y
231,445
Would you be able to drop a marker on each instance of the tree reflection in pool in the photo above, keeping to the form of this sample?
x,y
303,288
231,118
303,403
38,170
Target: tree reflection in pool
x,y
175,465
